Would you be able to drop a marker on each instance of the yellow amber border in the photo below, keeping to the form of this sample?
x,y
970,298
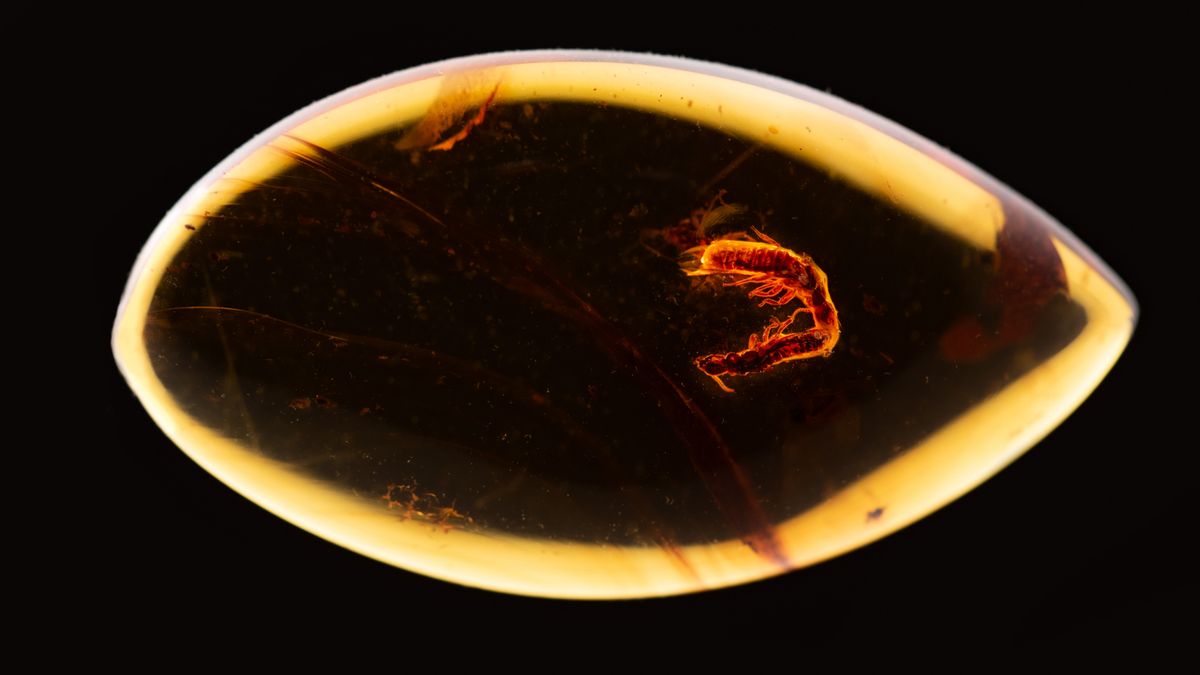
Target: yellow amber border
x,y
944,466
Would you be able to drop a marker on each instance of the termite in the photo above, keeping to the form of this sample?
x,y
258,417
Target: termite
x,y
775,346
780,275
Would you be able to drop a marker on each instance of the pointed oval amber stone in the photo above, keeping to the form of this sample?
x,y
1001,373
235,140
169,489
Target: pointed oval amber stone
x,y
607,325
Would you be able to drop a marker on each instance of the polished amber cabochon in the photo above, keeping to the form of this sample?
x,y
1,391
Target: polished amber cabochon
x,y
594,325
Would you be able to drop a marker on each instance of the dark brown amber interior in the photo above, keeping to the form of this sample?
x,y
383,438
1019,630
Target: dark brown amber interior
x,y
500,333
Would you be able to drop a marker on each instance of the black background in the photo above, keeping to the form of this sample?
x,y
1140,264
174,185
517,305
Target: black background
x,y
1081,540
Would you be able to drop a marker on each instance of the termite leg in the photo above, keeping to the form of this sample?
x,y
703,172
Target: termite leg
x,y
782,300
769,289
756,278
766,334
769,331
755,338
776,327
790,320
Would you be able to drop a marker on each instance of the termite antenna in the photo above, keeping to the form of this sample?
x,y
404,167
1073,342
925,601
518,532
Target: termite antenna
x,y
654,251
717,379
761,235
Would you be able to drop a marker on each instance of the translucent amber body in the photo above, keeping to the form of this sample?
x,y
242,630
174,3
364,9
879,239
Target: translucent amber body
x,y
441,320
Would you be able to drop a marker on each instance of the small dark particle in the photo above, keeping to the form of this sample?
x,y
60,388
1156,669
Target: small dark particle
x,y
190,227
875,514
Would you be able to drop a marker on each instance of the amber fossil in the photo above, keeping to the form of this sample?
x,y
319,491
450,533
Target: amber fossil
x,y
481,320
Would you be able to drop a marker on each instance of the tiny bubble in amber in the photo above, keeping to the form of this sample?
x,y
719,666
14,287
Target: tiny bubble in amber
x,y
600,325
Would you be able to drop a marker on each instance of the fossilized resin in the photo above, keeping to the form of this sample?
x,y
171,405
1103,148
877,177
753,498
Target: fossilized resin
x,y
440,319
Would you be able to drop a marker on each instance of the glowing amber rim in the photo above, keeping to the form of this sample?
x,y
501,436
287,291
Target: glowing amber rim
x,y
793,119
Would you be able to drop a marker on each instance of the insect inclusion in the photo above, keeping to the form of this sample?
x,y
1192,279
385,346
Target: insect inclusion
x,y
780,275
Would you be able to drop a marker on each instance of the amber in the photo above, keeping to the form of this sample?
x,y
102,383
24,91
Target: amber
x,y
443,319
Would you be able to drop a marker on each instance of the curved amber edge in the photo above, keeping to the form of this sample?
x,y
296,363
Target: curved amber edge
x,y
861,147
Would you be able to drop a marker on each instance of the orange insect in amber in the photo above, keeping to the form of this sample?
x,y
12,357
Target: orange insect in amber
x,y
781,275
775,347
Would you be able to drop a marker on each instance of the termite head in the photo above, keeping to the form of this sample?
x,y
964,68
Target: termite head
x,y
691,260
712,364
715,365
